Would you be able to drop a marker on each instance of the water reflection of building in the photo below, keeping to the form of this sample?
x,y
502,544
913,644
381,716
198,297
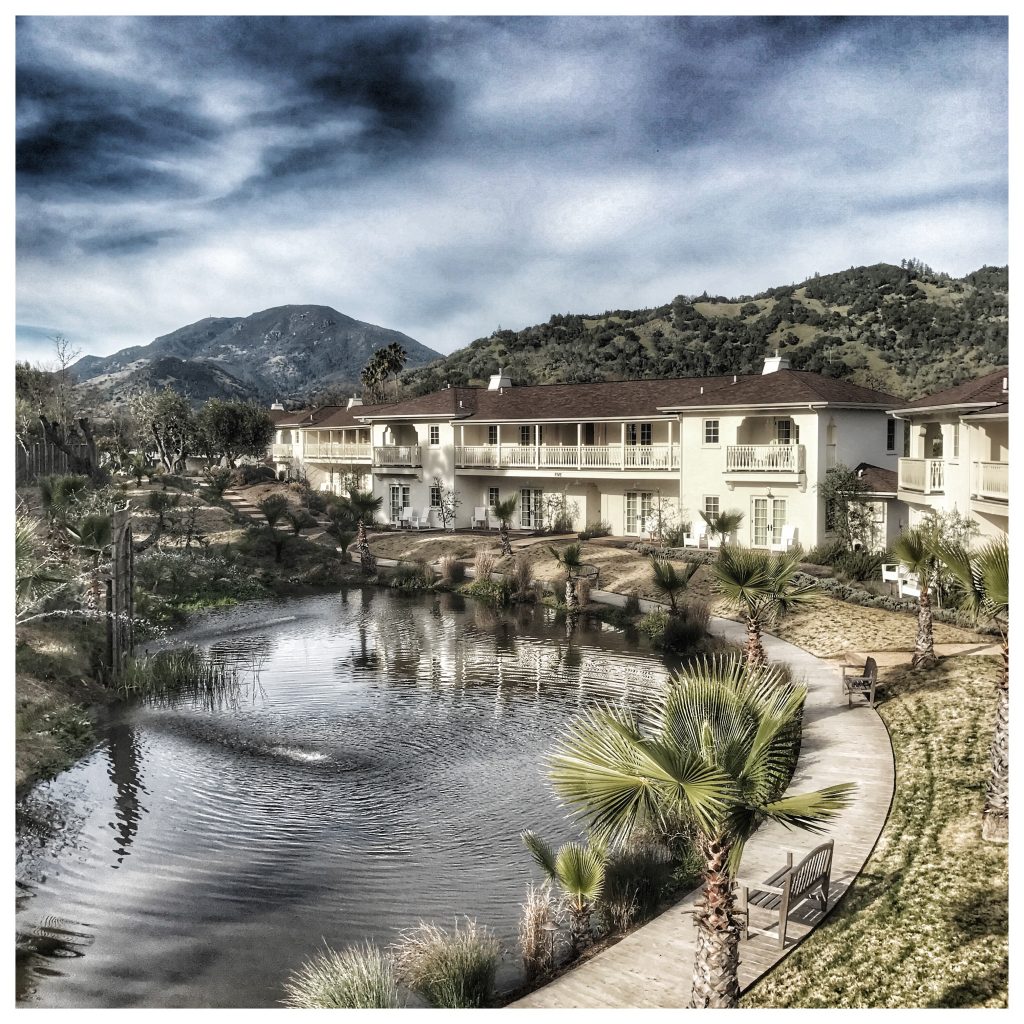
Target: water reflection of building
x,y
440,647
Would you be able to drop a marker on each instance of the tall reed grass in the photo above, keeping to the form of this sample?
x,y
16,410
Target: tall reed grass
x,y
453,969
357,978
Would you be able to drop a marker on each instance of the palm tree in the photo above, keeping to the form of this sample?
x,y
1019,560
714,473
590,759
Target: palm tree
x,y
34,568
578,870
93,533
914,552
362,507
275,507
570,558
763,588
669,580
984,576
504,511
719,753
722,524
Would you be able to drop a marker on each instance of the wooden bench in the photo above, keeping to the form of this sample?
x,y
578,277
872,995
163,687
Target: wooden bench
x,y
864,685
788,887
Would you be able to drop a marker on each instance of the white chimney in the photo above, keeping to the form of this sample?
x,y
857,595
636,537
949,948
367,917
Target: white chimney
x,y
278,407
353,402
499,380
775,363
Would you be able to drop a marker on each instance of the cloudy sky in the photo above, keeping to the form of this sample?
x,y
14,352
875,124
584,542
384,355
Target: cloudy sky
x,y
443,177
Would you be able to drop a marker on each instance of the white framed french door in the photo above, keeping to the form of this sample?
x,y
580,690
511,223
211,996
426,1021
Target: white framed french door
x,y
767,518
531,508
638,510
401,497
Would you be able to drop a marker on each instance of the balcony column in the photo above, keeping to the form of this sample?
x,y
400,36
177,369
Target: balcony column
x,y
622,449
536,446
669,444
579,445
499,445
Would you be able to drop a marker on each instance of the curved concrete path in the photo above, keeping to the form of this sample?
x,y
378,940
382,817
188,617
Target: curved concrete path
x,y
652,967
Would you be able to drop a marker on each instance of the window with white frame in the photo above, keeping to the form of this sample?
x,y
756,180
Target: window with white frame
x,y
526,435
492,434
712,505
784,431
890,434
531,508
401,497
435,496
956,441
493,497
711,432
639,506
435,435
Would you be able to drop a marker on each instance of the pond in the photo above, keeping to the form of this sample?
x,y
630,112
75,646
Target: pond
x,y
375,768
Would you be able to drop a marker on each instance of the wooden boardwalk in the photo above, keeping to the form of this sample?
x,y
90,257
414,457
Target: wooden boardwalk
x,y
652,967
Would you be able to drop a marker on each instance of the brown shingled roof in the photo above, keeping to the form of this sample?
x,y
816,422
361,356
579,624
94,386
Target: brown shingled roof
x,y
615,399
876,479
987,390
995,410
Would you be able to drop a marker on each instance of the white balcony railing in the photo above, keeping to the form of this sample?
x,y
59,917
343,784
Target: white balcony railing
x,y
585,456
764,458
990,480
397,455
340,451
282,452
926,476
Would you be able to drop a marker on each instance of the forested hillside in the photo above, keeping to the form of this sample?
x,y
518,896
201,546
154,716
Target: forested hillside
x,y
903,329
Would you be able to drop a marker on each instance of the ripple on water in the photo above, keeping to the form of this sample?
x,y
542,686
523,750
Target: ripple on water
x,y
375,768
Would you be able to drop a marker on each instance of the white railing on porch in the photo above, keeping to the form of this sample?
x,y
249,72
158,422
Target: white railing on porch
x,y
397,455
282,452
340,450
764,458
990,480
927,476
585,456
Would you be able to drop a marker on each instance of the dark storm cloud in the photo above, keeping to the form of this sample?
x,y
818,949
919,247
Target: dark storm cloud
x,y
441,175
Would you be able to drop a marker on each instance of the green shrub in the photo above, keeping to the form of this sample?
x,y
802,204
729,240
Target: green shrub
x,y
412,576
522,574
635,877
501,591
827,553
596,528
254,474
632,605
357,978
680,633
300,520
449,969
218,481
169,673
861,565
673,536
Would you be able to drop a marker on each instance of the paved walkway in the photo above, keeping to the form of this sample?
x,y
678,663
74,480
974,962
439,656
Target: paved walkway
x,y
652,967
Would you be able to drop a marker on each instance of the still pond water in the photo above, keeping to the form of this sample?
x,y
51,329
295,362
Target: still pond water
x,y
376,768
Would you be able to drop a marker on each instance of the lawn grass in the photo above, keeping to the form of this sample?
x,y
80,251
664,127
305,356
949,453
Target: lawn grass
x,y
926,923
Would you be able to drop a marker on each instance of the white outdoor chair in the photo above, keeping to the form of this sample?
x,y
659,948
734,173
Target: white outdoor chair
x,y
713,542
493,522
405,517
480,516
786,539
696,538
414,520
909,584
891,572
325,486
425,518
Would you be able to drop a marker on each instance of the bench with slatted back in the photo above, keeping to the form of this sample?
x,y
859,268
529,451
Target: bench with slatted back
x,y
788,887
865,685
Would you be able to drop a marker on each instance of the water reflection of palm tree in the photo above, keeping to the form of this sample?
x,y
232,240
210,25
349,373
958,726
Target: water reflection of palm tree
x,y
124,771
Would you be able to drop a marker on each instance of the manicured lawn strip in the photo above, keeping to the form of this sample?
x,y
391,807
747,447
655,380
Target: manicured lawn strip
x,y
926,923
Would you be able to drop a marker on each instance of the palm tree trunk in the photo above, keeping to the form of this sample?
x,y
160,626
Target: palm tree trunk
x,y
572,601
506,544
366,559
716,964
924,649
755,648
995,824
579,929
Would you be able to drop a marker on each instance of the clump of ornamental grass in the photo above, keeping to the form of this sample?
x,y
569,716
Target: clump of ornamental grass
x,y
357,978
537,930
452,570
583,591
522,573
182,672
483,566
453,969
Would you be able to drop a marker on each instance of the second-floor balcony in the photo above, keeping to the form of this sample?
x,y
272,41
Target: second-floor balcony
x,y
765,458
282,452
990,481
338,451
567,456
397,455
923,476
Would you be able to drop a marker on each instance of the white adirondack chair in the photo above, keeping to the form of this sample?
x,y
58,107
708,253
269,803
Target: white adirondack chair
x,y
786,539
480,516
425,518
405,517
696,538
414,519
